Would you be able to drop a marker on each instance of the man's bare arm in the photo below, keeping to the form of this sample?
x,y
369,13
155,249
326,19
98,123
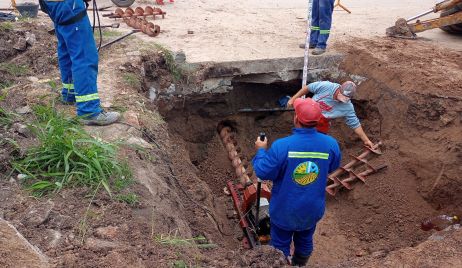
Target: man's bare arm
x,y
301,92
360,132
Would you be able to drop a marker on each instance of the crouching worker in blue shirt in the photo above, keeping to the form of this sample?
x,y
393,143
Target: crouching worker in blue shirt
x,y
298,165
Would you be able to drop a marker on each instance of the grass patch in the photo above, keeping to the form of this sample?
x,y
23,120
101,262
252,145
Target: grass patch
x,y
179,264
6,26
53,85
131,80
174,240
107,33
6,118
130,199
6,84
68,156
14,69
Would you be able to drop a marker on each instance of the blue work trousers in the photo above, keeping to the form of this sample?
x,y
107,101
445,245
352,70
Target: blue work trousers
x,y
321,22
77,56
303,240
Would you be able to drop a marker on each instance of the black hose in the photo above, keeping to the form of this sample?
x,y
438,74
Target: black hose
x,y
96,15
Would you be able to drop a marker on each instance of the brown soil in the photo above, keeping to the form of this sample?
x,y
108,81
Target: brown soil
x,y
38,57
410,101
404,106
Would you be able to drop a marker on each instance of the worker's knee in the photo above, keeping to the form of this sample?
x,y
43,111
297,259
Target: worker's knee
x,y
298,260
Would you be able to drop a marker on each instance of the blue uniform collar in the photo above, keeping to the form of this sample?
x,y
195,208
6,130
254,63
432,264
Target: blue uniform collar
x,y
311,130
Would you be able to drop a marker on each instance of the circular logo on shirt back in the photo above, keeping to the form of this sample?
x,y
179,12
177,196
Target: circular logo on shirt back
x,y
305,173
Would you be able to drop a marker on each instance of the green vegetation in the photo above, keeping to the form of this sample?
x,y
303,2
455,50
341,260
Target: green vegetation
x,y
53,85
67,156
6,118
179,264
5,84
6,26
108,33
131,198
14,69
131,80
174,240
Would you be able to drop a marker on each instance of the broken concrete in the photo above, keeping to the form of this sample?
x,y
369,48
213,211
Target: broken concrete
x,y
219,77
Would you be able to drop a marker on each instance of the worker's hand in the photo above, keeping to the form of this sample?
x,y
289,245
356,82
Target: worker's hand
x,y
369,144
290,103
261,144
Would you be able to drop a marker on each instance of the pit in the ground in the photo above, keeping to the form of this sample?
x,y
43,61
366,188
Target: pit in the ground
x,y
365,220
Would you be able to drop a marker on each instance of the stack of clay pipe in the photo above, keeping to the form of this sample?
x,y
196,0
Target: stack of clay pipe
x,y
138,12
240,166
145,26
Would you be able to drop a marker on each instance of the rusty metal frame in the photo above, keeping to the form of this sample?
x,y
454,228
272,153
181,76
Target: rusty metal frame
x,y
249,240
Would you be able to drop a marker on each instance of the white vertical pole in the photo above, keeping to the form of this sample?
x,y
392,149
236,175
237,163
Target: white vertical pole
x,y
307,44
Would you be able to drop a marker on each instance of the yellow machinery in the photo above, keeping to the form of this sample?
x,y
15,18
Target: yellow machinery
x,y
450,20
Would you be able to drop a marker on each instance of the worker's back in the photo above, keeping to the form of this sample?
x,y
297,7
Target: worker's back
x,y
298,165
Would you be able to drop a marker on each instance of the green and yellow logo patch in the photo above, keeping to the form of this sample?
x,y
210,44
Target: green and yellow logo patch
x,y
305,173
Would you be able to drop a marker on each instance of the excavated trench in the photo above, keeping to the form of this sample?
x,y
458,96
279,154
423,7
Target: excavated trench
x,y
375,218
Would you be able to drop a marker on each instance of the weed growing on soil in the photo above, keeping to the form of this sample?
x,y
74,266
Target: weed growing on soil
x,y
6,118
111,33
179,264
130,199
67,155
174,240
5,84
53,85
14,69
131,80
106,34
6,26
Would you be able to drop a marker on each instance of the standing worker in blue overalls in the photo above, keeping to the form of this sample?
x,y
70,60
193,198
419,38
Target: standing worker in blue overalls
x,y
298,166
78,59
321,22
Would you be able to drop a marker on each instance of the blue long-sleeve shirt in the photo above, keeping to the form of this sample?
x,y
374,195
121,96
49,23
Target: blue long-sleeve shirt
x,y
324,95
298,165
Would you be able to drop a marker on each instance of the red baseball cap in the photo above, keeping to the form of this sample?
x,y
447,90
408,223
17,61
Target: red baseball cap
x,y
307,110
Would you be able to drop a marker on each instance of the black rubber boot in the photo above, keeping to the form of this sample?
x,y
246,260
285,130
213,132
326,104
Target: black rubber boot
x,y
300,261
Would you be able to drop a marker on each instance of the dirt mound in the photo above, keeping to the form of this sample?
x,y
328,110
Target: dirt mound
x,y
26,49
442,249
418,89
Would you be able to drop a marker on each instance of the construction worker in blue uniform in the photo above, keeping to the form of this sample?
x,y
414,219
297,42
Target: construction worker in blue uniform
x,y
298,166
321,22
78,59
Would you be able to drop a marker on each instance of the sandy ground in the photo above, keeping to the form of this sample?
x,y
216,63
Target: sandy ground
x,y
260,29
256,29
